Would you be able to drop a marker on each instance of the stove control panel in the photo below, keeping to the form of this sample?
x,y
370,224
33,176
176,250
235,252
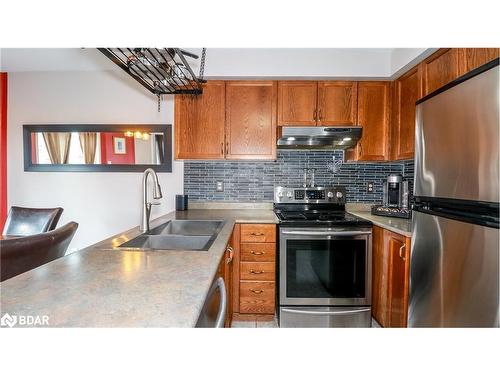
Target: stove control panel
x,y
333,194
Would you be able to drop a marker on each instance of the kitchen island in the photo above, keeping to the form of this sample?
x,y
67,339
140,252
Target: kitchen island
x,y
102,286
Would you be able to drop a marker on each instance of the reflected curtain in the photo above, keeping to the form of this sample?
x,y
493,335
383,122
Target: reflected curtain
x,y
88,143
57,146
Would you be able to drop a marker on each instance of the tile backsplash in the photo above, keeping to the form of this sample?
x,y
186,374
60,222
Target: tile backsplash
x,y
254,181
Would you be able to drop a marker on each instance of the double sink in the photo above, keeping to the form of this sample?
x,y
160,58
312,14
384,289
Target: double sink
x,y
194,235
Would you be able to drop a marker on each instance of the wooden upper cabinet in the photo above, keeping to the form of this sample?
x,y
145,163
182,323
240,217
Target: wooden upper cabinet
x,y
297,103
475,57
337,103
407,90
441,68
251,119
373,116
199,123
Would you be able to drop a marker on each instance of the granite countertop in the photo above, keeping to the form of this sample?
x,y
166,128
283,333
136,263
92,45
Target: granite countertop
x,y
397,225
103,287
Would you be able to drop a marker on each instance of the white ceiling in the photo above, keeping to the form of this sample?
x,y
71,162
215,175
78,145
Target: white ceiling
x,y
234,62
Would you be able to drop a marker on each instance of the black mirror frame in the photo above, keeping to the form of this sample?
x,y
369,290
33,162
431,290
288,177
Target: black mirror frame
x,y
166,129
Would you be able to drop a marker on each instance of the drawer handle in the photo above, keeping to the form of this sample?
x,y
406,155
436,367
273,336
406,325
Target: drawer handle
x,y
256,272
231,254
256,234
257,252
402,252
259,291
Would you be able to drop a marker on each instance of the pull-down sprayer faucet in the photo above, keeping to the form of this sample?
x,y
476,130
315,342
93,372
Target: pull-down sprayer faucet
x,y
146,206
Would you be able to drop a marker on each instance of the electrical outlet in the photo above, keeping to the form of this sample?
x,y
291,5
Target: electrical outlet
x,y
220,186
369,187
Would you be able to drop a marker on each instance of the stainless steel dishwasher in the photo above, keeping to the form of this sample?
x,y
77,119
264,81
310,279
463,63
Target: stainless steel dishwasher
x,y
214,310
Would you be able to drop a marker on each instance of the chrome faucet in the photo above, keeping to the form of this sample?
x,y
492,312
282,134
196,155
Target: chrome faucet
x,y
146,206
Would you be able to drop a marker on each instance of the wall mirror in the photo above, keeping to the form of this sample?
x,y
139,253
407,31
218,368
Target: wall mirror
x,y
97,148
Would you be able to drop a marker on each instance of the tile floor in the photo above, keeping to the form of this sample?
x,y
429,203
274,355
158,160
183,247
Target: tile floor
x,y
273,324
255,324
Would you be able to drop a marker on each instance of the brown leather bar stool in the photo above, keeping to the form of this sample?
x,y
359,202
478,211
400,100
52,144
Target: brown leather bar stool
x,y
24,221
21,254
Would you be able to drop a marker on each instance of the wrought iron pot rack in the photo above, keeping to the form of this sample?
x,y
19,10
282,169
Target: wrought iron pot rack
x,y
160,70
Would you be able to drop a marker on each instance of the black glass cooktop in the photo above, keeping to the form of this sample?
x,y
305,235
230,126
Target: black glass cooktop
x,y
319,217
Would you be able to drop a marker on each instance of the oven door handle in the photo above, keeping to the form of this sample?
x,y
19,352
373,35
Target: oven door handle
x,y
315,312
335,234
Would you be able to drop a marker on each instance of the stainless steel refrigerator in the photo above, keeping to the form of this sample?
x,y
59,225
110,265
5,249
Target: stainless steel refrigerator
x,y
454,265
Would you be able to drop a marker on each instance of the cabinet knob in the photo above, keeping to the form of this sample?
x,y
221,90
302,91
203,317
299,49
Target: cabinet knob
x,y
256,291
256,234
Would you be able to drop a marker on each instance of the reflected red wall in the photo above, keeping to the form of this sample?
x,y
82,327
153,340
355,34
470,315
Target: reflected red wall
x,y
3,148
107,149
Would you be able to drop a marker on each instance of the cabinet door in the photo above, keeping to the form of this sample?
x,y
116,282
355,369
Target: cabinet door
x,y
399,279
441,68
199,123
380,278
251,119
337,103
297,103
228,280
373,116
475,57
407,92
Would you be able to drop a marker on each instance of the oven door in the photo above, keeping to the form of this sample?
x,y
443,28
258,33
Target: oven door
x,y
325,266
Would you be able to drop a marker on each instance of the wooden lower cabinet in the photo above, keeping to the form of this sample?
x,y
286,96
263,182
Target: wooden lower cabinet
x,y
257,297
391,271
227,264
254,272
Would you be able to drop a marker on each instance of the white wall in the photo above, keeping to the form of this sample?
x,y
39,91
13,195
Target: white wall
x,y
232,62
296,62
102,203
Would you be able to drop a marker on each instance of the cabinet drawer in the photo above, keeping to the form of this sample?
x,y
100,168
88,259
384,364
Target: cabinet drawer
x,y
258,233
257,297
261,271
258,252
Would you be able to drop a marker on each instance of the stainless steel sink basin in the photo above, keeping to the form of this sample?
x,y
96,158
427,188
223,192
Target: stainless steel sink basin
x,y
189,227
197,235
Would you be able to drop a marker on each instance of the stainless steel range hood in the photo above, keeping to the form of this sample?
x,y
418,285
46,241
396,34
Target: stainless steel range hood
x,y
315,137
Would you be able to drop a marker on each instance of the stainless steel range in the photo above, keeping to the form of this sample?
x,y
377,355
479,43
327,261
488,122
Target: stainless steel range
x,y
324,260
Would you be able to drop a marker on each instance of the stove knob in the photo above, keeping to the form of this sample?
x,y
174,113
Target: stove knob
x,y
339,194
289,195
330,194
280,194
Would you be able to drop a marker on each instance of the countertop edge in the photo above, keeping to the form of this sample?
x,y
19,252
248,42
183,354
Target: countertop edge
x,y
381,222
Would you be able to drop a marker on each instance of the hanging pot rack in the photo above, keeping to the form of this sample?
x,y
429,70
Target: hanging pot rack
x,y
160,70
